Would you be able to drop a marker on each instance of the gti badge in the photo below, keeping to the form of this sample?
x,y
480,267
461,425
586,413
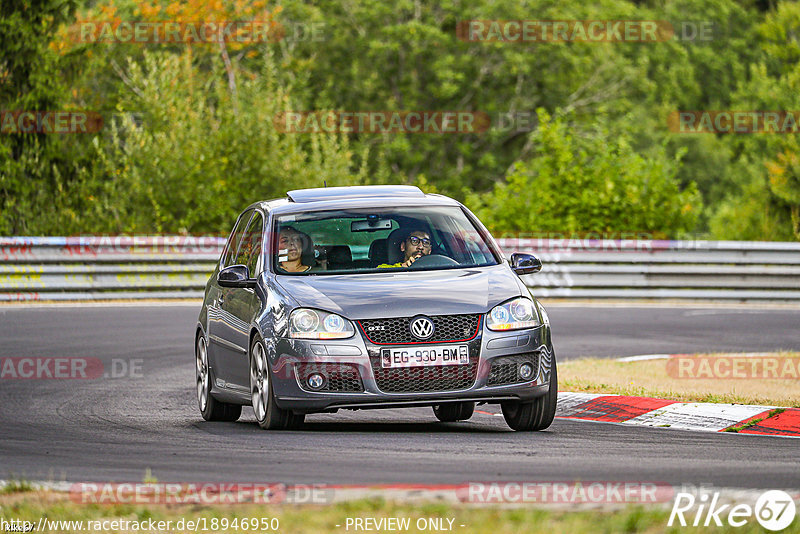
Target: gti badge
x,y
421,327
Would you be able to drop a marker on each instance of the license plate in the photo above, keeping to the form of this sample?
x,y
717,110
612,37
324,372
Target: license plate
x,y
424,356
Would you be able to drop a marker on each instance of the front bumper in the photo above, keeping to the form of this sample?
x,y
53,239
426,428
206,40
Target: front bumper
x,y
357,353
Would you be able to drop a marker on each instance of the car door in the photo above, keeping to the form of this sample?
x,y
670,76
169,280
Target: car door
x,y
220,330
241,304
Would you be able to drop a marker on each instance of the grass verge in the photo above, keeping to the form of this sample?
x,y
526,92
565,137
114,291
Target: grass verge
x,y
31,506
16,485
653,378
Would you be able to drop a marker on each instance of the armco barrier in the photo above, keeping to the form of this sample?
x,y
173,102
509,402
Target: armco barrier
x,y
106,267
656,269
135,267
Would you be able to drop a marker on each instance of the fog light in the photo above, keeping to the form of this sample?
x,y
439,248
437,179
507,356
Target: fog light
x,y
315,381
525,371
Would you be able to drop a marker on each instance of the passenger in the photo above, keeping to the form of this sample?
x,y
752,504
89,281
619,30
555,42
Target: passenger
x,y
291,244
413,247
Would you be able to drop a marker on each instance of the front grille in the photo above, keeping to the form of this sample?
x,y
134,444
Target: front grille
x,y
421,379
339,377
445,328
505,369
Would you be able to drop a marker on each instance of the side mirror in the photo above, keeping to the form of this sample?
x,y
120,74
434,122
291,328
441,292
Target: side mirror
x,y
235,276
525,263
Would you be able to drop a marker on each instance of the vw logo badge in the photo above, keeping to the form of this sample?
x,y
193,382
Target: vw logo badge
x,y
421,327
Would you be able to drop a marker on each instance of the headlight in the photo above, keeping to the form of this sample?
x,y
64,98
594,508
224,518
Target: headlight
x,y
513,315
314,324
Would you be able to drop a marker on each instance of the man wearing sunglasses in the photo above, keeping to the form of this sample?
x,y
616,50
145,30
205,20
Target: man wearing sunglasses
x,y
413,247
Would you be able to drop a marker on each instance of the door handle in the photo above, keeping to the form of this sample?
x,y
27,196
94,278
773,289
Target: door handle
x,y
221,299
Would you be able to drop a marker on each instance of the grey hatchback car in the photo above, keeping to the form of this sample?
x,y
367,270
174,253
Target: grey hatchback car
x,y
371,297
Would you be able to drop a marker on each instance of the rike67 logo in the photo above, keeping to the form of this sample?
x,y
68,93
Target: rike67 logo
x,y
774,510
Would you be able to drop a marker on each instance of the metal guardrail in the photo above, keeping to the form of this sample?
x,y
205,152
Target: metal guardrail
x,y
660,269
106,267
127,267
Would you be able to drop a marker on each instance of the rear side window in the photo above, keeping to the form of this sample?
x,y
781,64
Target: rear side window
x,y
232,245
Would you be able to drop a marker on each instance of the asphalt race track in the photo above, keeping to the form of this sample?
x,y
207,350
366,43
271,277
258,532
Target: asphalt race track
x,y
114,429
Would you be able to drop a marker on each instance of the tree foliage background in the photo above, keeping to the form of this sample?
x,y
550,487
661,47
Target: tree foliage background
x,y
189,138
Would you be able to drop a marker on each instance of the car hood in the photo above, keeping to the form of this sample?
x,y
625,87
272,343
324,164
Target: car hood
x,y
404,294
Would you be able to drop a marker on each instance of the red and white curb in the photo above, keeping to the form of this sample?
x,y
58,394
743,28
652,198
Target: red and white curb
x,y
661,413
703,416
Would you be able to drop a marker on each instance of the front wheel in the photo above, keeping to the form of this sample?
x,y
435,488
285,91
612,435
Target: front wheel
x,y
210,408
268,414
456,411
537,414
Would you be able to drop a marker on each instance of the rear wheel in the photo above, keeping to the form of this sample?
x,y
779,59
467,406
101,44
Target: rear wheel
x,y
268,414
456,411
537,414
211,408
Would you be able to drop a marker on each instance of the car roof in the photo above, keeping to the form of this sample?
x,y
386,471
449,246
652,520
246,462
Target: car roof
x,y
358,191
365,196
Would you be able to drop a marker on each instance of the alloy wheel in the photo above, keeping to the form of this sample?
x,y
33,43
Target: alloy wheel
x,y
259,381
201,361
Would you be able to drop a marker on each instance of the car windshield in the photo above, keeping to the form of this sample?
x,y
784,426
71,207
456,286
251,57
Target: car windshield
x,y
377,240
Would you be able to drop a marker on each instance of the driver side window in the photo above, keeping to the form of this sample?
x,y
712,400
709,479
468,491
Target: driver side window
x,y
250,247
229,254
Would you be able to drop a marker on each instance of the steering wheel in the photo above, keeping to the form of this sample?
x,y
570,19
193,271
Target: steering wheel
x,y
433,260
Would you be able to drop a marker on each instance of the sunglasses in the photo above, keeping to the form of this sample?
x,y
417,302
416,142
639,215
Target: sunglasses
x,y
414,240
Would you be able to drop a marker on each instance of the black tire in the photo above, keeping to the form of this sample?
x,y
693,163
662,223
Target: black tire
x,y
266,410
455,411
537,414
210,408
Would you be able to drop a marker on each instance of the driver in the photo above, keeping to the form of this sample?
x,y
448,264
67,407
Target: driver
x,y
413,247
291,244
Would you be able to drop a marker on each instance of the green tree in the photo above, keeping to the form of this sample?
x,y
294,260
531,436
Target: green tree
x,y
588,184
188,155
33,167
784,181
759,203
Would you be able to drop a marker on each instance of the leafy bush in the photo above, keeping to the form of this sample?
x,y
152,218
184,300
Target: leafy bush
x,y
187,155
588,184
